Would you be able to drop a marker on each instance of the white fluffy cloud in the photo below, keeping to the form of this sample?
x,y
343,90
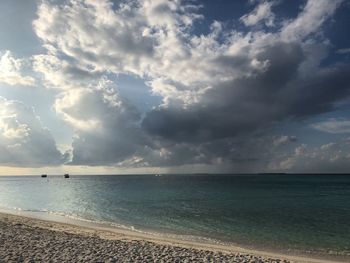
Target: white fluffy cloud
x,y
152,38
261,13
146,38
61,74
314,14
23,139
11,71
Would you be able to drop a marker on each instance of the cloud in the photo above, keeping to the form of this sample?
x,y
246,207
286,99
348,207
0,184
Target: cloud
x,y
125,39
61,74
331,157
314,14
23,139
261,13
11,71
284,139
343,51
333,126
106,126
247,104
218,89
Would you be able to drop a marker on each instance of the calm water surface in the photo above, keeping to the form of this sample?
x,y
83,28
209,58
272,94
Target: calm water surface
x,y
298,212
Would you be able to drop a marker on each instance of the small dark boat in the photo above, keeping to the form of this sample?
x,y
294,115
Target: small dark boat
x,y
44,175
66,176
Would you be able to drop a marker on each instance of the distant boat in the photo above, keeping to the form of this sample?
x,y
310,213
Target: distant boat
x,y
66,175
44,175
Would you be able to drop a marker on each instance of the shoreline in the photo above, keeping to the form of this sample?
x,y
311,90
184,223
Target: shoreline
x,y
84,229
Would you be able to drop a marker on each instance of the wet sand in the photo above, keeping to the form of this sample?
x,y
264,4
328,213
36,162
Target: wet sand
x,y
26,239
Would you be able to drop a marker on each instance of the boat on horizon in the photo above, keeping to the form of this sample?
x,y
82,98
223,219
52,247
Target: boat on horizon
x,y
44,175
66,175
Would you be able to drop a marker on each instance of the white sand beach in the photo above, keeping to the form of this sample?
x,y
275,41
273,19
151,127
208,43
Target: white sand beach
x,y
28,239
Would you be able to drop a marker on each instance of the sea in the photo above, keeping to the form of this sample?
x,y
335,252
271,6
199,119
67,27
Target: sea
x,y
289,213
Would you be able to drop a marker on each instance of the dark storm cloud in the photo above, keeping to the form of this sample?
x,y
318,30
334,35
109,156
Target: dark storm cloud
x,y
251,103
320,92
228,116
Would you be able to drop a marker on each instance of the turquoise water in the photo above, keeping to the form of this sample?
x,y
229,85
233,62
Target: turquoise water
x,y
288,212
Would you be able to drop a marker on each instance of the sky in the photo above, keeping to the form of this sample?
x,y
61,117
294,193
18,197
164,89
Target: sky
x,y
174,86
